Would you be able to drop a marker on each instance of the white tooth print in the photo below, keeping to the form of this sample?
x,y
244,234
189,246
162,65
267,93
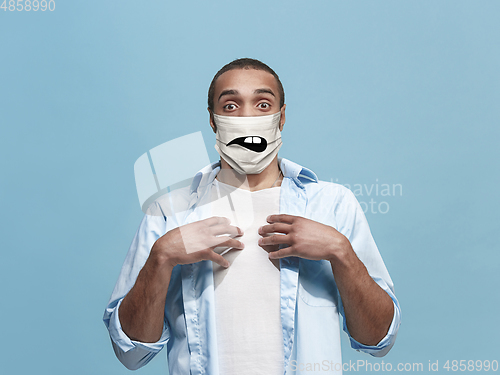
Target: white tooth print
x,y
248,140
256,140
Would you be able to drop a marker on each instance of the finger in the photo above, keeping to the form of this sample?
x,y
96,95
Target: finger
x,y
281,253
217,258
275,228
276,239
227,242
283,218
230,230
222,250
270,248
216,220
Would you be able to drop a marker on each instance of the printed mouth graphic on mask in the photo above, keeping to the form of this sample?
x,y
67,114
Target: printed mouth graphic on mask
x,y
248,144
253,143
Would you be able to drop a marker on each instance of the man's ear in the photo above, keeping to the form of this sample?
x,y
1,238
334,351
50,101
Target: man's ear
x,y
282,119
212,122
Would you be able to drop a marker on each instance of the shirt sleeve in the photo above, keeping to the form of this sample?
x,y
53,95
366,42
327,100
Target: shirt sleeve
x,y
354,226
134,354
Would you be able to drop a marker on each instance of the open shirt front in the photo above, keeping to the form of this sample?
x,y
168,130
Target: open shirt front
x,y
310,301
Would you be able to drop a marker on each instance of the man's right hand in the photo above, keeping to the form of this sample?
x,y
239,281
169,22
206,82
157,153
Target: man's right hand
x,y
143,308
197,241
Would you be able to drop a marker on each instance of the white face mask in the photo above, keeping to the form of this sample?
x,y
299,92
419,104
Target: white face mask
x,y
248,144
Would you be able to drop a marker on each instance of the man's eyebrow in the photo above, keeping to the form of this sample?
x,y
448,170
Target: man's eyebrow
x,y
264,91
228,92
257,91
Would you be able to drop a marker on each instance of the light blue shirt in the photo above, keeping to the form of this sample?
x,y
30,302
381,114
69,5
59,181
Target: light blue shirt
x,y
310,301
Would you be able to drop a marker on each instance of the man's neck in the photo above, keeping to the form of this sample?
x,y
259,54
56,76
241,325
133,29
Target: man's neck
x,y
269,177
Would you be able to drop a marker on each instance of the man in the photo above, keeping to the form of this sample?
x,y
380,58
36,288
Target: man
x,y
262,297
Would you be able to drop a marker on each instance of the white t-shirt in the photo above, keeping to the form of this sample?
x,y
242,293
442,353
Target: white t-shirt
x,y
247,294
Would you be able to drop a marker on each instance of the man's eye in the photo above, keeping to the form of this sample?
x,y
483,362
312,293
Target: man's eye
x,y
264,105
229,107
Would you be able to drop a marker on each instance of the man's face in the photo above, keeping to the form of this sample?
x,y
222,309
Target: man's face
x,y
246,92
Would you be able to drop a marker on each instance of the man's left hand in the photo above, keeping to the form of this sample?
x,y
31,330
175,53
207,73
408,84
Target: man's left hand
x,y
305,238
368,308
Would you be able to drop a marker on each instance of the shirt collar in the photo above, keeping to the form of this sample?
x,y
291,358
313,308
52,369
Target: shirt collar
x,y
300,175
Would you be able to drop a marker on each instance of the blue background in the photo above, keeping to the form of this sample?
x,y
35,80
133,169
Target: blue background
x,y
377,92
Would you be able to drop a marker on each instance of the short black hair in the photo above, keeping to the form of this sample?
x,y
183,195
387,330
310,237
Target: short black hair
x,y
244,63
